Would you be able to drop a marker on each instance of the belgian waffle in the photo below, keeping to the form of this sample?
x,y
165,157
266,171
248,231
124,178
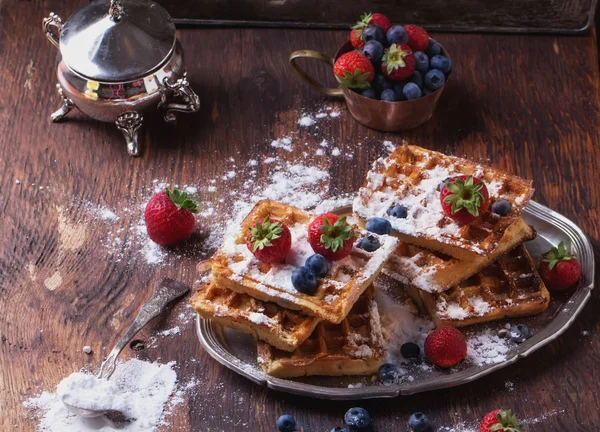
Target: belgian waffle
x,y
510,287
282,328
235,268
435,272
411,176
353,347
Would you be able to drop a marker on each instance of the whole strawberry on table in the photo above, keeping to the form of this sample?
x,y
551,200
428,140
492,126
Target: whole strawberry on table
x,y
391,62
500,421
169,217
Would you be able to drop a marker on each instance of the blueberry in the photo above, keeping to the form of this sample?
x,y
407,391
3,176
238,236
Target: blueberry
x,y
410,350
388,373
417,78
318,264
398,89
375,33
369,93
397,34
501,207
434,79
520,333
304,280
389,96
411,91
441,63
358,419
433,48
419,422
339,429
373,50
379,225
381,83
426,91
286,423
370,243
398,211
422,61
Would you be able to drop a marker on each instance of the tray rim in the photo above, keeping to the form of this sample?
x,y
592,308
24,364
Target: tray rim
x,y
555,328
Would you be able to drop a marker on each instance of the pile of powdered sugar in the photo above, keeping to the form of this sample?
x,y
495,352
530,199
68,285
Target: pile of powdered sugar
x,y
144,392
486,347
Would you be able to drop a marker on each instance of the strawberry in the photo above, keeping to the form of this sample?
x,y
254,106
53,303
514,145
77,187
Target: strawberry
x,y
500,421
269,240
446,346
354,70
331,236
377,19
356,38
418,39
169,217
464,198
398,62
559,268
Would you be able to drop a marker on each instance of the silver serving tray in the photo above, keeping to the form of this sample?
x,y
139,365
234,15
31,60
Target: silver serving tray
x,y
237,351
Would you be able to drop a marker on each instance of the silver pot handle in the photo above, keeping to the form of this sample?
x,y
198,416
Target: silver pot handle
x,y
182,89
53,27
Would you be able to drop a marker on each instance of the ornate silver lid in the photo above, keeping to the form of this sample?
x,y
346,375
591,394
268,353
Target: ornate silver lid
x,y
117,40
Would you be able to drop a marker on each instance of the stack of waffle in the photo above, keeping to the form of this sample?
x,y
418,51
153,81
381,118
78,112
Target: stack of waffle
x,y
336,331
459,274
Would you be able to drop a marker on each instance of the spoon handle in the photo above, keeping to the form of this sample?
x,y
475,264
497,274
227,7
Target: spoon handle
x,y
165,291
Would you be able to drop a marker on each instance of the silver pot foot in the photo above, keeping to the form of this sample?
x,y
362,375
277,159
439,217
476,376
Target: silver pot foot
x,y
66,107
129,123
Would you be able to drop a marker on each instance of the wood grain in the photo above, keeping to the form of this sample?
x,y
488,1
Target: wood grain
x,y
529,104
464,15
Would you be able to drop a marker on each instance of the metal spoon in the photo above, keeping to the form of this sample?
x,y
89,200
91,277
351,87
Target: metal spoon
x,y
165,291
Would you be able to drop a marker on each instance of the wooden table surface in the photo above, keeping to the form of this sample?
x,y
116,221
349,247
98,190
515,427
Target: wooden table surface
x,y
528,103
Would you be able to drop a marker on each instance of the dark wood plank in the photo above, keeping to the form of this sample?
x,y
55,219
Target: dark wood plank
x,y
463,15
528,103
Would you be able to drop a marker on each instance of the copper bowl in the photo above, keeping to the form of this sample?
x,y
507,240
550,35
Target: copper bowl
x,y
375,114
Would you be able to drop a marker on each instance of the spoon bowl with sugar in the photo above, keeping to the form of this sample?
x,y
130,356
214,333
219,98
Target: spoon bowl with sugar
x,y
165,291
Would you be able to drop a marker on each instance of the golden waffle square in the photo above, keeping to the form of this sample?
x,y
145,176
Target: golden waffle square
x,y
235,268
353,347
411,176
510,287
282,328
434,272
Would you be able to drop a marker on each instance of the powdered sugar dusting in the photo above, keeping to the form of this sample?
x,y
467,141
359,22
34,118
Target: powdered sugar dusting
x,y
400,325
486,348
306,121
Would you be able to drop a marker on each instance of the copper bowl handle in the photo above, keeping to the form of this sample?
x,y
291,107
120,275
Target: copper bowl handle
x,y
306,77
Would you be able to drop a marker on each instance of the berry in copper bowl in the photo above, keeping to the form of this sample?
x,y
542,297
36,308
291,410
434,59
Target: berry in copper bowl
x,y
399,55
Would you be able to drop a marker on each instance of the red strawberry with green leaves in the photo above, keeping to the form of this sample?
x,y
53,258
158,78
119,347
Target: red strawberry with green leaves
x,y
398,62
445,346
354,70
418,39
464,198
269,241
500,421
169,217
559,268
356,38
331,236
377,19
